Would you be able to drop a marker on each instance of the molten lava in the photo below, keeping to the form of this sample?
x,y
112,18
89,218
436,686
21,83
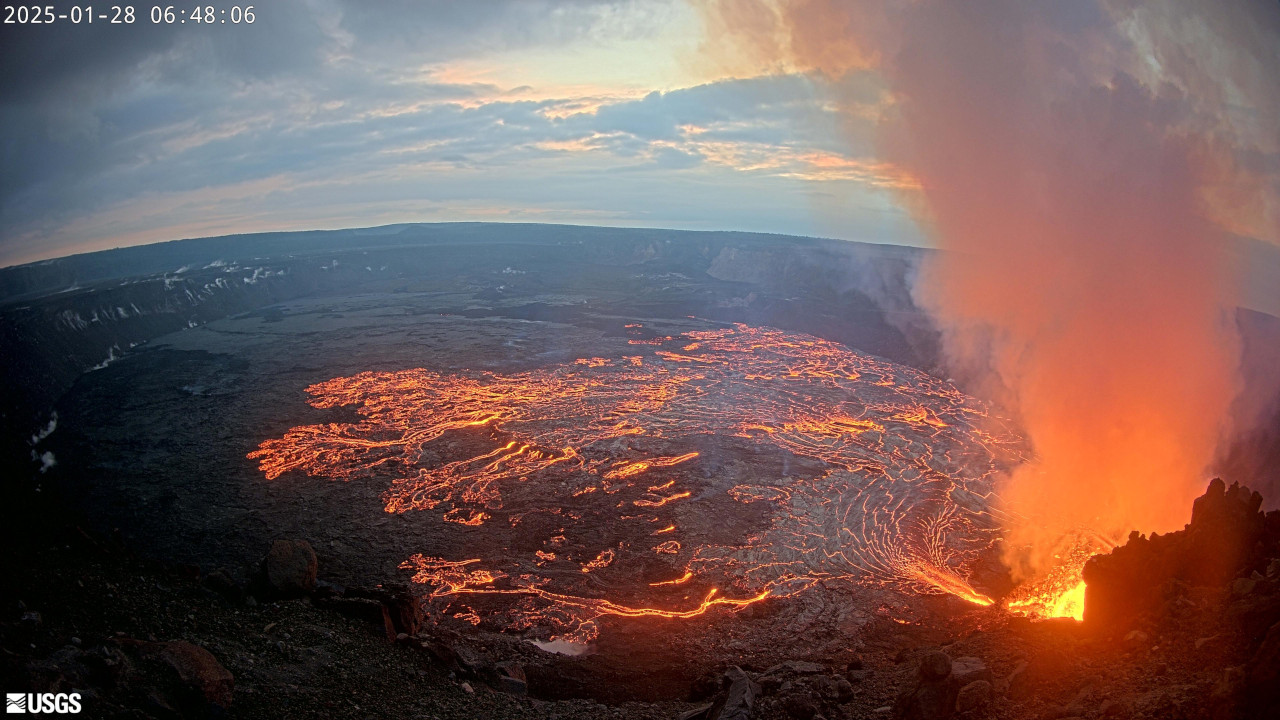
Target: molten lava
x,y
1060,593
890,472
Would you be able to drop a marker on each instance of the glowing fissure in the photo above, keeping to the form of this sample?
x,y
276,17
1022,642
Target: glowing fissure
x,y
898,466
1060,592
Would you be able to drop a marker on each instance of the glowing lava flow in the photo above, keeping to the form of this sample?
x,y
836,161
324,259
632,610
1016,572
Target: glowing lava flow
x,y
880,474
1060,594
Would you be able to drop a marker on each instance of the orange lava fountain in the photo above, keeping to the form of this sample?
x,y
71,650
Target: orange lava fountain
x,y
1060,593
1074,174
890,474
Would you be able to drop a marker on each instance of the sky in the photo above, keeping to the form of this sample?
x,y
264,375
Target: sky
x,y
336,113
327,114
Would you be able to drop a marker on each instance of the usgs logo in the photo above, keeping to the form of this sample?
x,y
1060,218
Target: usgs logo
x,y
60,703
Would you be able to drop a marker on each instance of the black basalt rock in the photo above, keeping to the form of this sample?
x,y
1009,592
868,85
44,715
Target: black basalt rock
x,y
932,693
1221,541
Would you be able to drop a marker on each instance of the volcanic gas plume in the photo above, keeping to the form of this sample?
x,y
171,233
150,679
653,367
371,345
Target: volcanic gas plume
x,y
1080,165
618,474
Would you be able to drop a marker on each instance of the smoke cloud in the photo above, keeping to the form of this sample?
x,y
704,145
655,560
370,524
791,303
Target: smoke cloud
x,y
1082,166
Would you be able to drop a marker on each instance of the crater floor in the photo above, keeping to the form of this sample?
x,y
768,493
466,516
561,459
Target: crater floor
x,y
581,482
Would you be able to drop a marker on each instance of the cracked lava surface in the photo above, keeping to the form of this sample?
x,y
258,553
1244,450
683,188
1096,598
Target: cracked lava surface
x,y
611,471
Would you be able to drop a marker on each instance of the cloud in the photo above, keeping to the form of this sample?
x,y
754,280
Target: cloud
x,y
675,159
752,109
144,133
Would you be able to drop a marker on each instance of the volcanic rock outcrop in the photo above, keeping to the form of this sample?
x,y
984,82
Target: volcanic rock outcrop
x,y
1223,562
1227,537
933,694
290,567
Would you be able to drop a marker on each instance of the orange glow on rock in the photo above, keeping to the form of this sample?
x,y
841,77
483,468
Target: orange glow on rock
x,y
1052,602
951,583
1060,592
686,577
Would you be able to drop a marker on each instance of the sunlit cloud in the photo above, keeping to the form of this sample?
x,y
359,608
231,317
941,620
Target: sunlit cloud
x,y
599,113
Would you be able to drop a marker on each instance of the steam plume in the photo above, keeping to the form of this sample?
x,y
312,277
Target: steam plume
x,y
1081,165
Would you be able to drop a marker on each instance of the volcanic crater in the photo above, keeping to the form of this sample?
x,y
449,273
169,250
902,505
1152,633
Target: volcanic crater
x,y
579,483
626,486
553,468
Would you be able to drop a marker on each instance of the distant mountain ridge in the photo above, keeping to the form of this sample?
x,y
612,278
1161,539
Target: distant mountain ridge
x,y
21,282
61,318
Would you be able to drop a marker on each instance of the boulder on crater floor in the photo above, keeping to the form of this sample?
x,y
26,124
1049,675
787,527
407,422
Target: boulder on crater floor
x,y
182,677
290,567
932,693
737,699
200,670
973,695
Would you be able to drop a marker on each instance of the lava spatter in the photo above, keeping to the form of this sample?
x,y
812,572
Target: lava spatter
x,y
893,466
1060,592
